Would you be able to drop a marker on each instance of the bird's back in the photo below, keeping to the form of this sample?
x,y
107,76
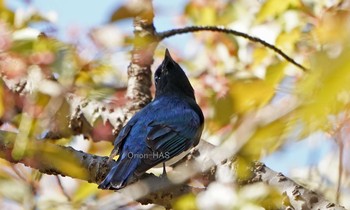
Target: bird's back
x,y
169,126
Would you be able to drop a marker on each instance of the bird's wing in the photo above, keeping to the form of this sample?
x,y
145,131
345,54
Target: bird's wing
x,y
166,138
121,137
172,135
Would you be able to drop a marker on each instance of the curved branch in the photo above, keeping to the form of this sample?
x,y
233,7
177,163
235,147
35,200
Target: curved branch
x,y
191,29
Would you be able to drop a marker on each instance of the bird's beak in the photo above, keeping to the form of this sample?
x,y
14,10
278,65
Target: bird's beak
x,y
168,57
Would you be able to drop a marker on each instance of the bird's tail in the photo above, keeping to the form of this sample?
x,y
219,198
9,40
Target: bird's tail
x,y
120,174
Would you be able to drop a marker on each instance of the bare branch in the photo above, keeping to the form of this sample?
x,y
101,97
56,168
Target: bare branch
x,y
191,29
298,196
84,112
54,159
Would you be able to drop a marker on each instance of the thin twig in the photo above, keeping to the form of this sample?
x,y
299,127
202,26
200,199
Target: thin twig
x,y
62,188
190,29
19,173
339,140
340,171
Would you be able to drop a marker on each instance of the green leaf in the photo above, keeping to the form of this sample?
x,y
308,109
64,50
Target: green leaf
x,y
23,46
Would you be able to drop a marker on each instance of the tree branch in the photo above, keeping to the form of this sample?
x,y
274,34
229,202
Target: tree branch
x,y
54,159
191,29
296,195
59,160
139,70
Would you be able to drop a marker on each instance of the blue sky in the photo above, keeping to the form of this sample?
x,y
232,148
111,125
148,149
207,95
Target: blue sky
x,y
73,12
88,15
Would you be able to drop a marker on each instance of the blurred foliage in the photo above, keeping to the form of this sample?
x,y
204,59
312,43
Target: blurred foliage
x,y
186,202
328,92
2,101
273,8
210,12
46,154
233,78
227,196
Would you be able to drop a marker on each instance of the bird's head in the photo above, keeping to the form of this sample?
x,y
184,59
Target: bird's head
x,y
170,78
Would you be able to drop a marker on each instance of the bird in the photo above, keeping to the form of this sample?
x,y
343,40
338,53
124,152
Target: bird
x,y
169,125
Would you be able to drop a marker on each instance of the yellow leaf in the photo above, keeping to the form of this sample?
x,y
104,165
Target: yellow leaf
x,y
324,91
186,202
259,54
228,15
223,111
275,73
124,12
84,191
249,94
208,16
288,40
6,15
266,139
254,93
132,9
327,30
83,79
201,15
272,8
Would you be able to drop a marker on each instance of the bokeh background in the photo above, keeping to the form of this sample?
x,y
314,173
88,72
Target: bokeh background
x,y
232,77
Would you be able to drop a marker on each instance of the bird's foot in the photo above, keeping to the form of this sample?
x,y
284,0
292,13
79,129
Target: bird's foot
x,y
164,174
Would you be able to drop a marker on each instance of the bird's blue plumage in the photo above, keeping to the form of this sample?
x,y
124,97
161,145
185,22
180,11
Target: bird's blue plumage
x,y
170,124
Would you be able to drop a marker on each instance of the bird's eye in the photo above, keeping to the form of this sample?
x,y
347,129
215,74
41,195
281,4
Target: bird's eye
x,y
156,78
159,75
